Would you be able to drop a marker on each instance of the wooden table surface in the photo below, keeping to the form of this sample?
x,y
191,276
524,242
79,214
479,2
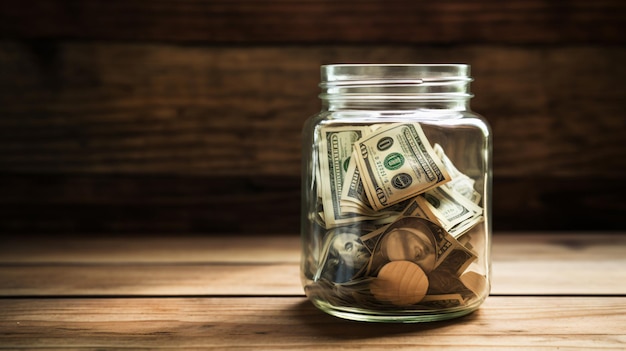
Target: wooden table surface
x,y
550,291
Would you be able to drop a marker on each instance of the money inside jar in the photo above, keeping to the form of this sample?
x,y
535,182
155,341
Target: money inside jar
x,y
399,217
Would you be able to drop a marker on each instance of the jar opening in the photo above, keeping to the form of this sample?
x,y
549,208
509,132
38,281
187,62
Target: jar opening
x,y
425,72
395,82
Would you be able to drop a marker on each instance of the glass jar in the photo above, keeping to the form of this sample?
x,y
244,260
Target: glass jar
x,y
396,194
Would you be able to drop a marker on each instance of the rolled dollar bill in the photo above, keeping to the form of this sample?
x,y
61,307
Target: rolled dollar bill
x,y
449,207
397,162
453,216
463,227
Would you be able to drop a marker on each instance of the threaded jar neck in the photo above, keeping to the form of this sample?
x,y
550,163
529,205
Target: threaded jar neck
x,y
403,86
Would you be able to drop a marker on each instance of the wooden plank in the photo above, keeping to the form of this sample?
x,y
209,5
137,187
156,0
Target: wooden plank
x,y
548,264
532,264
171,122
272,248
77,107
241,21
539,323
565,203
559,278
530,277
149,204
156,249
261,279
565,247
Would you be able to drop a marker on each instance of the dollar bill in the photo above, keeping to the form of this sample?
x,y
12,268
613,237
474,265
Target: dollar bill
x,y
335,149
459,216
460,182
342,255
397,162
451,284
353,194
464,185
445,160
354,198
447,206
414,210
457,231
465,226
418,240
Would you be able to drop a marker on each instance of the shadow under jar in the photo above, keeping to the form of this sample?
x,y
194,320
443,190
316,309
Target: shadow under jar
x,y
396,194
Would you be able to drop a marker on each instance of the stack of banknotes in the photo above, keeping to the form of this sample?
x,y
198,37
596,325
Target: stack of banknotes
x,y
400,220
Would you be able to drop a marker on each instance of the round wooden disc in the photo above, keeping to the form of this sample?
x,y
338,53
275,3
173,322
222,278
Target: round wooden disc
x,y
401,283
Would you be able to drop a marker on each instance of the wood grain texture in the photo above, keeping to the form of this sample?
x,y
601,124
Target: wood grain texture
x,y
541,323
162,317
277,248
242,21
260,279
182,249
127,204
173,116
71,107
532,264
147,204
530,278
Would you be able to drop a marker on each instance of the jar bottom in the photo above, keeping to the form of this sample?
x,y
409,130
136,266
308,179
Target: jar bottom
x,y
395,316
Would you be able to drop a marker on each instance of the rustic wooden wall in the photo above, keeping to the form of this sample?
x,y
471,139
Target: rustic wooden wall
x,y
130,116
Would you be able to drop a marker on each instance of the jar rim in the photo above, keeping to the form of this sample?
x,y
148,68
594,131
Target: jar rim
x,y
349,74
395,82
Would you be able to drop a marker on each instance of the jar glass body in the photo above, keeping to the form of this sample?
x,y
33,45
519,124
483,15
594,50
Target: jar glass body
x,y
396,195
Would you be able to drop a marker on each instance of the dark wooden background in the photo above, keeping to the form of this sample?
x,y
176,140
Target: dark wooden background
x,y
131,116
